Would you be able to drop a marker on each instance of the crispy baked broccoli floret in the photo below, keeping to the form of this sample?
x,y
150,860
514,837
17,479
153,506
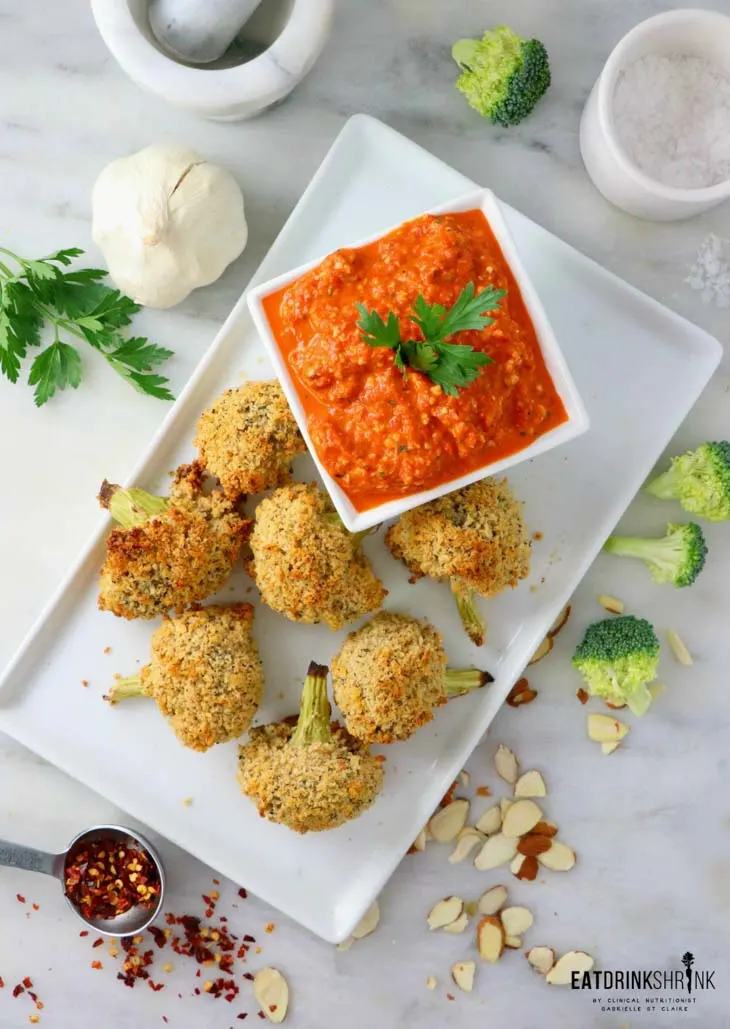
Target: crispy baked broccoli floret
x,y
678,557
248,437
167,552
205,675
618,657
312,777
306,565
502,75
699,480
391,673
474,537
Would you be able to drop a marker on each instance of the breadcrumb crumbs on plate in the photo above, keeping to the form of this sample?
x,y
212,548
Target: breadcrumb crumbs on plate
x,y
84,682
537,536
187,801
270,927
36,907
33,1019
258,950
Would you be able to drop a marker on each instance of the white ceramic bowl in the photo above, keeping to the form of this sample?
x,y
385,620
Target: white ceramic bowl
x,y
695,32
577,421
294,31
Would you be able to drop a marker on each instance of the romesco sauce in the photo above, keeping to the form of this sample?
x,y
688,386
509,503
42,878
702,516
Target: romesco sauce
x,y
381,435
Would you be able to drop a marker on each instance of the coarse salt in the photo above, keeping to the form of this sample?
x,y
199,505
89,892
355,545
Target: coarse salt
x,y
672,117
710,274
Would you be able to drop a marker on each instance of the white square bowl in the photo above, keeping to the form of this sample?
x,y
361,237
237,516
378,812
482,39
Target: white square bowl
x,y
577,421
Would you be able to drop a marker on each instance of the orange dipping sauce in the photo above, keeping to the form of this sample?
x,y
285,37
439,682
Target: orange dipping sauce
x,y
382,437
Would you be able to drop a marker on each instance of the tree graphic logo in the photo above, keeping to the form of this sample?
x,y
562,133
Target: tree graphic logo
x,y
688,960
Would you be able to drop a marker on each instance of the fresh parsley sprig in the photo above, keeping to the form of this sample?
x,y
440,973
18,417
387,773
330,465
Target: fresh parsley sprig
x,y
452,366
75,303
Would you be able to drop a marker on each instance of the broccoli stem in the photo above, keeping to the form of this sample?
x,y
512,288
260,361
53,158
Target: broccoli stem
x,y
332,518
462,680
664,486
313,725
463,52
124,688
470,617
130,507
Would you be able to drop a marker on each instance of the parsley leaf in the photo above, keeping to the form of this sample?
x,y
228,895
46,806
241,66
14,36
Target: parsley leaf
x,y
452,366
77,304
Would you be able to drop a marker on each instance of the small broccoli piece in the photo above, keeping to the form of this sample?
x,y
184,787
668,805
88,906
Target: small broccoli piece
x,y
123,689
617,657
458,681
470,618
678,557
130,507
699,480
502,75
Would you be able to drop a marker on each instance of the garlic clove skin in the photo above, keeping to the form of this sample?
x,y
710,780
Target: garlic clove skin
x,y
167,221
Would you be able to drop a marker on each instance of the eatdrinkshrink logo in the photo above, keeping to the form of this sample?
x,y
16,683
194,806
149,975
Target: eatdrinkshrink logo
x,y
663,991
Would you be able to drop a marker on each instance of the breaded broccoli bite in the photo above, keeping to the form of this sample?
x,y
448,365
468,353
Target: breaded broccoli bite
x,y
248,437
205,675
311,777
474,537
306,564
390,674
167,552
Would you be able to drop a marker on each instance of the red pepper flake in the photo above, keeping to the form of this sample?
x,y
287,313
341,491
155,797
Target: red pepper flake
x,y
216,882
248,975
28,983
449,795
96,965
244,1014
209,912
17,990
261,1014
196,991
272,1008
537,535
84,682
582,696
19,897
97,943
483,791
242,893
155,986
158,935
164,1018
249,939
84,932
36,907
106,879
450,996
207,899
2,983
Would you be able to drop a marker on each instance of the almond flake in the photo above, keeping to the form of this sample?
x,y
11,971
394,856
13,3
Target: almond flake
x,y
611,604
491,821
677,647
491,901
522,816
463,973
530,784
516,920
541,959
534,844
468,839
420,841
504,805
447,823
561,974
605,729
560,621
445,912
271,991
513,942
346,944
506,764
542,651
459,925
525,868
368,923
560,858
432,982
608,748
545,829
490,939
498,850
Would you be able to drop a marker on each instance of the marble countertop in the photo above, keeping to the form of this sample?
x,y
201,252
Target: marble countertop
x,y
651,824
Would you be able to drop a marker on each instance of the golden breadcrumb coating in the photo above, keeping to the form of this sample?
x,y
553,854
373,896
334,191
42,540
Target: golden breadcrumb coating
x,y
308,788
474,536
248,437
388,676
307,566
205,674
173,559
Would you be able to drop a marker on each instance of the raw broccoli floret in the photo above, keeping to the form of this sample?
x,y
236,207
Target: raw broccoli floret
x,y
699,480
678,557
502,75
617,658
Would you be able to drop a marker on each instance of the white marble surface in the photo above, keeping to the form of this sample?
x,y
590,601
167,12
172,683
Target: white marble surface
x,y
651,823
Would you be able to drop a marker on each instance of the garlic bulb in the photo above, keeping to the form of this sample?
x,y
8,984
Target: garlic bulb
x,y
167,222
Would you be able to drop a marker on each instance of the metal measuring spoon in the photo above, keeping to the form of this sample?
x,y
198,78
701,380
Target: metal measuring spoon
x,y
130,922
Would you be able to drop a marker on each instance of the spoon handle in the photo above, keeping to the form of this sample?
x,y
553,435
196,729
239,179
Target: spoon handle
x,y
16,855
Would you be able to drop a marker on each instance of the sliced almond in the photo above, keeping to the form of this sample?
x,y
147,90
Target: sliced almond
x,y
542,651
533,844
463,973
608,748
491,821
559,622
271,991
431,982
530,784
459,925
541,959
524,867
507,765
560,858
611,604
464,778
469,838
605,729
346,944
447,823
545,828
522,816
445,912
490,939
575,961
678,648
420,841
491,901
504,805
516,920
656,689
523,697
513,942
498,850
368,923
614,707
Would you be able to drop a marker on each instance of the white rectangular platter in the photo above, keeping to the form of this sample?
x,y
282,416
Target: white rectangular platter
x,y
639,369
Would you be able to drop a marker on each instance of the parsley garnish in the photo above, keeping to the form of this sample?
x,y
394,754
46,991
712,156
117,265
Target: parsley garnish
x,y
452,366
74,303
